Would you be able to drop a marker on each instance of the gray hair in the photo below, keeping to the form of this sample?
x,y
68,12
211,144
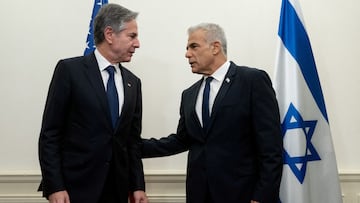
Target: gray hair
x,y
213,33
112,15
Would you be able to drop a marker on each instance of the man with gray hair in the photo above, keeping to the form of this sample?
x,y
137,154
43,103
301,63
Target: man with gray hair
x,y
230,123
90,135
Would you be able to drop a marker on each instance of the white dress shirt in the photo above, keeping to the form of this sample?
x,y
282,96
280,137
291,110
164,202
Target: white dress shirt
x,y
215,85
103,64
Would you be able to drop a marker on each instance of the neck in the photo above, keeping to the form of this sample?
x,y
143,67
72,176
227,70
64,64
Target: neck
x,y
106,53
218,62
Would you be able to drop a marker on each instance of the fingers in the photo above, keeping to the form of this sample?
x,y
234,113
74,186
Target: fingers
x,y
59,197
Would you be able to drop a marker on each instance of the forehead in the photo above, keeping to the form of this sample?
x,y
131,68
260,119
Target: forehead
x,y
197,36
130,26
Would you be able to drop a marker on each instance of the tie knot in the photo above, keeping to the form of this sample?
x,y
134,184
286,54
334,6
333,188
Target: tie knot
x,y
209,79
110,70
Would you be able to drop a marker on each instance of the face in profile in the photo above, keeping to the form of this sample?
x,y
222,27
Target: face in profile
x,y
124,43
199,53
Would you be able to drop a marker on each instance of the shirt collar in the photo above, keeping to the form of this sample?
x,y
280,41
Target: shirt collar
x,y
220,73
103,62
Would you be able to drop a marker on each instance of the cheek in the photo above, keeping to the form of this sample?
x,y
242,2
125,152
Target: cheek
x,y
202,58
206,61
120,43
120,48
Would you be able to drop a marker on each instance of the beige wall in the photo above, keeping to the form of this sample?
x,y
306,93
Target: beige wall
x,y
35,34
160,188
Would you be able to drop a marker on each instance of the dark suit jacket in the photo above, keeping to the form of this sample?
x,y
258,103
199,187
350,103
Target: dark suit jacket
x,y
239,158
77,141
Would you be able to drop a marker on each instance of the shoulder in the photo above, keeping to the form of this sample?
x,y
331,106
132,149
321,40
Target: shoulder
x,y
70,64
248,73
75,66
67,64
247,69
194,87
72,60
126,73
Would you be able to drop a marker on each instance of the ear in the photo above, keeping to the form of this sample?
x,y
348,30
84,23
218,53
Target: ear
x,y
216,47
108,33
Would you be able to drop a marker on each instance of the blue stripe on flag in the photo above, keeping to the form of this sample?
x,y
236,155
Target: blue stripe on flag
x,y
296,40
90,44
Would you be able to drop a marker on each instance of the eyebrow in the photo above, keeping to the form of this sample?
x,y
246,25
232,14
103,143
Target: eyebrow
x,y
133,33
191,45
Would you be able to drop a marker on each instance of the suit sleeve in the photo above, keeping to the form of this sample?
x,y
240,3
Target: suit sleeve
x,y
170,145
266,123
137,181
51,131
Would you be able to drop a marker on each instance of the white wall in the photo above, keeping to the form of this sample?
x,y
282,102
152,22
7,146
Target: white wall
x,y
160,188
36,34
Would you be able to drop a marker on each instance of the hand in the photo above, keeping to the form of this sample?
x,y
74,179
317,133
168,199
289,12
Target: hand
x,y
252,201
59,197
139,196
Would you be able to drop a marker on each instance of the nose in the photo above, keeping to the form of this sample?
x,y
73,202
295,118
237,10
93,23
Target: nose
x,y
137,43
187,54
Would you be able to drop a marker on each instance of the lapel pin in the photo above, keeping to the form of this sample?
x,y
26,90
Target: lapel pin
x,y
227,80
129,85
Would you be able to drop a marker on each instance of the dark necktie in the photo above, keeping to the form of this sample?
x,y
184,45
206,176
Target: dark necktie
x,y
205,104
112,95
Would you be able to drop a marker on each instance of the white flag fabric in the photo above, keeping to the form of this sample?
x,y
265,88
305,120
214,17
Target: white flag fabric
x,y
310,172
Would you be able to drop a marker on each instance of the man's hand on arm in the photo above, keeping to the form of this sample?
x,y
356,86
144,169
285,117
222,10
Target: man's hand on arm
x,y
139,197
59,197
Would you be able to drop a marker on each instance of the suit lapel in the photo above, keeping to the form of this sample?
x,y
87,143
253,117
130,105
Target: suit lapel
x,y
229,77
192,103
189,105
93,73
127,86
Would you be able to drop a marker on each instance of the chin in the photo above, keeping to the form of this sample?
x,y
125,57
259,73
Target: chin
x,y
196,71
126,60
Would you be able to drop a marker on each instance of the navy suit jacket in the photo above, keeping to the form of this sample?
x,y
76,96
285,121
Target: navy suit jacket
x,y
239,157
77,141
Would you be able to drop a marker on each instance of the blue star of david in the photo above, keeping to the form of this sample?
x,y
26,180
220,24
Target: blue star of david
x,y
293,120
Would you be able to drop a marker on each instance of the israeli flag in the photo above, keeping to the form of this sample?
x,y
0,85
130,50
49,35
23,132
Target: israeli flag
x,y
310,173
90,44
